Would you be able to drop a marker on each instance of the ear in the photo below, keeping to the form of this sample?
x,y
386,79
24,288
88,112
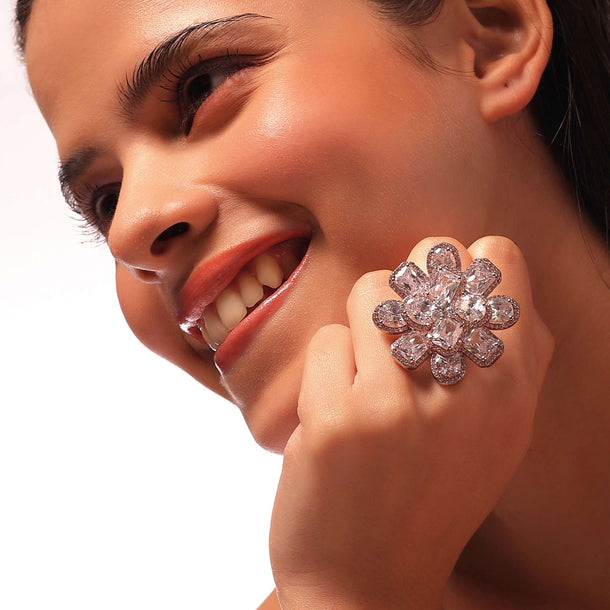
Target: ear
x,y
511,40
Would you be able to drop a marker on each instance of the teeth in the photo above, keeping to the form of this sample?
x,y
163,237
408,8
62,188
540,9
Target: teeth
x,y
289,263
246,291
213,328
268,272
230,307
207,338
250,289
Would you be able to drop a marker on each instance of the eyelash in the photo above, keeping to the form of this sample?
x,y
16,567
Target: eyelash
x,y
86,206
177,82
184,74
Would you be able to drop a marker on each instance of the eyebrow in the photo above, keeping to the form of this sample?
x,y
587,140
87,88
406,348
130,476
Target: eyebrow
x,y
137,86
151,69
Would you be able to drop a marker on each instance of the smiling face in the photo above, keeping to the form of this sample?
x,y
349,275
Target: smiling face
x,y
307,120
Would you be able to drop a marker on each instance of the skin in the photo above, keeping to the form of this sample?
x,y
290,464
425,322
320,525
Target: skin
x,y
344,135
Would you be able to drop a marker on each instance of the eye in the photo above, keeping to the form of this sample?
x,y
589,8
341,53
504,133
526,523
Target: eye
x,y
101,207
203,79
199,88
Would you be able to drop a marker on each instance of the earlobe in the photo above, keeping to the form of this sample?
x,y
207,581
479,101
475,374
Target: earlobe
x,y
511,40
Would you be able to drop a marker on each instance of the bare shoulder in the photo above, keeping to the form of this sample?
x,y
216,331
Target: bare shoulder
x,y
271,603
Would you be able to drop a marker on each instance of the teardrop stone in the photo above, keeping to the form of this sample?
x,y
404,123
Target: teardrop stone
x,y
443,255
390,316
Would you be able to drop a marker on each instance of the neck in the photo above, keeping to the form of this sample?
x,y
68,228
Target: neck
x,y
548,534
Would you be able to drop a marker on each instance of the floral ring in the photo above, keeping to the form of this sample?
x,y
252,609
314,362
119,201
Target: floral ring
x,y
446,314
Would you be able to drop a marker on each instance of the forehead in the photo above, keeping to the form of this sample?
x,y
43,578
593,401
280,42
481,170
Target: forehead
x,y
75,48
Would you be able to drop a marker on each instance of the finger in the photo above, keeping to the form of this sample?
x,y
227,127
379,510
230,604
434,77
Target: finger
x,y
372,347
373,358
419,253
521,344
328,374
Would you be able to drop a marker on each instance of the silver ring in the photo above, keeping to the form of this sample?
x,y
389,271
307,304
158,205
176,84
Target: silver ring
x,y
446,314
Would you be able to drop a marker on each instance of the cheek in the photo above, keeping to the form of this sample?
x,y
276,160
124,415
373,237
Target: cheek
x,y
145,312
149,319
349,149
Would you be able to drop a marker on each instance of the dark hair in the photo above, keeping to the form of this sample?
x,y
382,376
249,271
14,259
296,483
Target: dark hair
x,y
571,105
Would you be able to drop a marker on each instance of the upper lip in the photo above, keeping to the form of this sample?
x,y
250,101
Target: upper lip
x,y
211,277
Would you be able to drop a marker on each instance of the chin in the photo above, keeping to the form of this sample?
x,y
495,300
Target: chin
x,y
272,418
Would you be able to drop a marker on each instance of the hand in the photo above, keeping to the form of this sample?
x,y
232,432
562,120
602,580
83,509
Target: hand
x,y
389,474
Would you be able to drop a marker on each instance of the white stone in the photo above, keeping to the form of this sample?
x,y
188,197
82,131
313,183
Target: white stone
x,y
421,310
482,276
408,280
443,255
483,346
504,311
411,349
445,334
448,369
470,308
390,315
445,286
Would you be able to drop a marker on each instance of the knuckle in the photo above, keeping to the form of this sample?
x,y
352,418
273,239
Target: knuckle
x,y
498,248
425,244
325,337
548,341
330,437
370,282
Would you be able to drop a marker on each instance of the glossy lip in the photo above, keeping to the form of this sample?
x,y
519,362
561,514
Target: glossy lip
x,y
210,278
240,337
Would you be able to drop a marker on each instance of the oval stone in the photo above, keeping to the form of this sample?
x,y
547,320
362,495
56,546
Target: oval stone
x,y
504,311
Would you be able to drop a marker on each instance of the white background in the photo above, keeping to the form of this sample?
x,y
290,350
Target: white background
x,y
123,483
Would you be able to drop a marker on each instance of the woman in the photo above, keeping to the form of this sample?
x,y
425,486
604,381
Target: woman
x,y
312,147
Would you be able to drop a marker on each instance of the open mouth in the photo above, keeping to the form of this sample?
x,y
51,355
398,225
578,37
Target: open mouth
x,y
252,286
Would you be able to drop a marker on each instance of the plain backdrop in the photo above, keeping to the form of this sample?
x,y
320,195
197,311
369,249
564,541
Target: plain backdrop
x,y
124,484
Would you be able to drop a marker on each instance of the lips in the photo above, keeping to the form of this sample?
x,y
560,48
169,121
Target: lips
x,y
221,295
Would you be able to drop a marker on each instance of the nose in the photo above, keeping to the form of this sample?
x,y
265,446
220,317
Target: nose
x,y
160,218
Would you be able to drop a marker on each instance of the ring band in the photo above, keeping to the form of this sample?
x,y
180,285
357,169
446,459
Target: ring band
x,y
447,314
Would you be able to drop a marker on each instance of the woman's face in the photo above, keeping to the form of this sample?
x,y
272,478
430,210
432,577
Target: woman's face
x,y
317,125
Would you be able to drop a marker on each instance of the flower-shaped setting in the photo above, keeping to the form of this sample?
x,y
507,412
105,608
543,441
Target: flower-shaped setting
x,y
446,314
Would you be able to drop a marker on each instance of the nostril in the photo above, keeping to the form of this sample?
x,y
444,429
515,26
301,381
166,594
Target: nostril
x,y
161,243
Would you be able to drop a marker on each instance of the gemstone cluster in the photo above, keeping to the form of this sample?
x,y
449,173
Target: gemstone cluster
x,y
446,314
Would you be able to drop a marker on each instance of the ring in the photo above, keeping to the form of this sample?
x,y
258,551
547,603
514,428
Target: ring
x,y
446,314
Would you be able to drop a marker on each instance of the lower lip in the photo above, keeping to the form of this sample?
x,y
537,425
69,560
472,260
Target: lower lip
x,y
239,338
